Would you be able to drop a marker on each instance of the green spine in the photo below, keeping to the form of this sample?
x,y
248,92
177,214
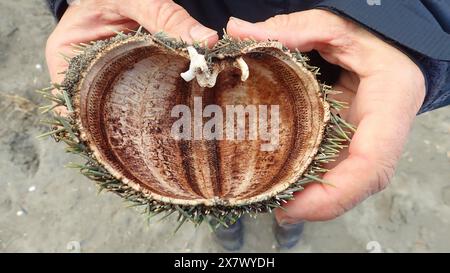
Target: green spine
x,y
65,129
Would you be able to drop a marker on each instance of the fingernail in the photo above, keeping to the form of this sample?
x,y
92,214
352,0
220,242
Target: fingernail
x,y
239,22
201,33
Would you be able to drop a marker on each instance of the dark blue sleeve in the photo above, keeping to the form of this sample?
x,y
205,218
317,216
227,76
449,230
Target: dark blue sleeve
x,y
420,28
57,7
437,76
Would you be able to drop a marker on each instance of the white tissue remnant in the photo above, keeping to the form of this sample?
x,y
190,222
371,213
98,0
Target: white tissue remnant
x,y
198,69
243,67
197,62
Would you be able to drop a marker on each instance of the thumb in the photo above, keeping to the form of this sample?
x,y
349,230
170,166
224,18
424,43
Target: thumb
x,y
304,30
338,40
167,16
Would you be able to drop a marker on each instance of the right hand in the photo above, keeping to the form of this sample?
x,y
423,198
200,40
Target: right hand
x,y
90,20
384,89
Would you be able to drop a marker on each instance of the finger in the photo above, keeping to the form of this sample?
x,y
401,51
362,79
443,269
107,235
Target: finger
x,y
60,44
384,116
165,15
383,112
338,40
83,29
299,30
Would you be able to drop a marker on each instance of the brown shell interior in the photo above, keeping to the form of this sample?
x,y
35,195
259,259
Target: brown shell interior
x,y
124,107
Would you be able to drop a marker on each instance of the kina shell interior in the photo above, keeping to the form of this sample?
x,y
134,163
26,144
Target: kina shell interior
x,y
124,108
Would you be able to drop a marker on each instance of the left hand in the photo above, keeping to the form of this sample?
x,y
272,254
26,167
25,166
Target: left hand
x,y
92,20
384,88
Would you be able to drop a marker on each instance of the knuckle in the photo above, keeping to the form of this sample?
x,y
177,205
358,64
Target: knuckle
x,y
417,77
97,14
335,206
338,210
165,11
51,44
101,12
281,20
335,23
384,173
336,31
382,170
412,84
331,210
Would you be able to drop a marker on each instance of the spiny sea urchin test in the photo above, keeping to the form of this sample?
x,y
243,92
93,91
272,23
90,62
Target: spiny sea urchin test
x,y
120,94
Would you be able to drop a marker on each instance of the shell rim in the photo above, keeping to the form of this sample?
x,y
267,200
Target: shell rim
x,y
63,129
280,187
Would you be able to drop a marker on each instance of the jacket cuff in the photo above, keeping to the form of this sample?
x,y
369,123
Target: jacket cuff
x,y
437,77
398,21
436,72
58,7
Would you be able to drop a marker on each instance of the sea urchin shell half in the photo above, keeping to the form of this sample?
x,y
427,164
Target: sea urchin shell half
x,y
121,94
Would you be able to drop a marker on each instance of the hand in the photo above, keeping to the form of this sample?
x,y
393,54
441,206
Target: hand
x,y
384,89
92,20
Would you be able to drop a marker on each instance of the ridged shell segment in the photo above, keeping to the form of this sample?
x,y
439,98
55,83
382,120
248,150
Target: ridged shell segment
x,y
124,107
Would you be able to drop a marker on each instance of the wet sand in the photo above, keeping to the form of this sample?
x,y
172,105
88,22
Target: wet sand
x,y
47,208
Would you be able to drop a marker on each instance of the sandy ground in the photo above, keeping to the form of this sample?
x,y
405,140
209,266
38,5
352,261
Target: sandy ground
x,y
47,208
